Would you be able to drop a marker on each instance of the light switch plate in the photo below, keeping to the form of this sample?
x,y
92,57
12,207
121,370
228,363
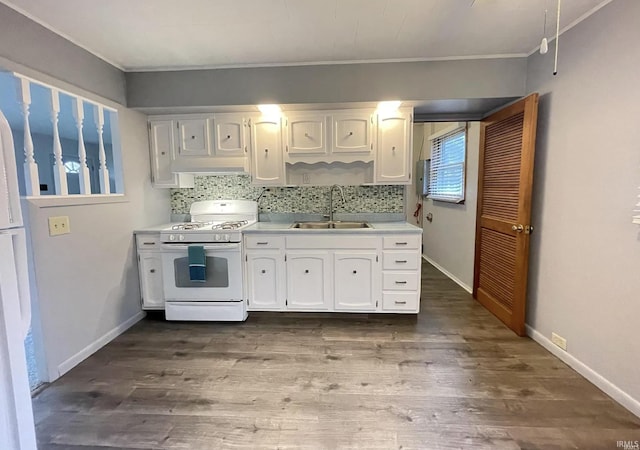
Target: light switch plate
x,y
59,225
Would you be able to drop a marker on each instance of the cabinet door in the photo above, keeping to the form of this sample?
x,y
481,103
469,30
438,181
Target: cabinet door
x,y
356,281
306,134
150,268
352,133
266,151
193,137
393,156
308,281
161,140
265,281
229,135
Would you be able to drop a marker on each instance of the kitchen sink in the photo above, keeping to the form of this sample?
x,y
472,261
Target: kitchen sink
x,y
338,225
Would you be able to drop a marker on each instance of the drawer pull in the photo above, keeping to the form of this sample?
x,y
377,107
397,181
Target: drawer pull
x,y
398,302
401,243
401,282
306,271
262,243
149,243
355,271
401,261
153,271
263,271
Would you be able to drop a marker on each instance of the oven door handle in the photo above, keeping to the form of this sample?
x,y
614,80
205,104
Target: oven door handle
x,y
207,247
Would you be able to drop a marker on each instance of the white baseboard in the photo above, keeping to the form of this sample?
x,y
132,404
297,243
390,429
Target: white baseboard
x,y
594,377
449,274
98,344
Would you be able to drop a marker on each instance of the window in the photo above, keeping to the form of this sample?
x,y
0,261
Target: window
x,y
447,171
636,218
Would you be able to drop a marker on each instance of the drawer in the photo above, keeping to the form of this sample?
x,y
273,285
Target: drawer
x,y
400,301
264,241
402,241
400,281
148,241
395,260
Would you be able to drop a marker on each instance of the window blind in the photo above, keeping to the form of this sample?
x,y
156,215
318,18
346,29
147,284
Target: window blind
x,y
636,217
447,172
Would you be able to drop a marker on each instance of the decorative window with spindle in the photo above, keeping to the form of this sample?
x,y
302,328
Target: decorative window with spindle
x,y
447,170
67,146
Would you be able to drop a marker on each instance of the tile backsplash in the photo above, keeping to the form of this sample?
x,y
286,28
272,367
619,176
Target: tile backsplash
x,y
301,199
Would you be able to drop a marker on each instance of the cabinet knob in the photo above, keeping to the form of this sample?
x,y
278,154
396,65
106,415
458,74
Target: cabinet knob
x,y
393,149
193,137
350,133
153,271
263,271
228,136
306,271
355,271
306,135
163,153
266,150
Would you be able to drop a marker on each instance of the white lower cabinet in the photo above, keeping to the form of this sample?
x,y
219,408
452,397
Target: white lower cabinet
x,y
265,280
150,271
328,272
356,281
308,280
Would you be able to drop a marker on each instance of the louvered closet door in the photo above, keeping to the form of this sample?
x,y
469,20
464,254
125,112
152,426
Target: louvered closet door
x,y
507,147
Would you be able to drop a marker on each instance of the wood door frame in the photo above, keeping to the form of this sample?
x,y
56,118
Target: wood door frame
x,y
515,318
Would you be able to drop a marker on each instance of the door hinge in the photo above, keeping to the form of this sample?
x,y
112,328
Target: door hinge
x,y
376,258
178,125
245,149
287,147
285,258
246,257
138,258
286,302
411,117
372,146
149,125
248,302
376,303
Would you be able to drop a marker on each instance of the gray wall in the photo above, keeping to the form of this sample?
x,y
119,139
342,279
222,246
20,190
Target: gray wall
x,y
339,83
25,42
87,281
585,252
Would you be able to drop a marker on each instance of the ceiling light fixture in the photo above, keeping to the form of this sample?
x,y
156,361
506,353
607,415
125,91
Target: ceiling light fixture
x,y
270,110
544,45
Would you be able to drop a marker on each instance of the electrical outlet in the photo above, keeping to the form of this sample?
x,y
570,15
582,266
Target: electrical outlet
x,y
559,341
306,178
59,225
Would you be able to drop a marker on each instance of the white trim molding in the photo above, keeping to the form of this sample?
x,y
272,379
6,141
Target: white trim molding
x,y
591,375
98,344
448,274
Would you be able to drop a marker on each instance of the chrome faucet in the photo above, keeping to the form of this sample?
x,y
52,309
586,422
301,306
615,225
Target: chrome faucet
x,y
331,200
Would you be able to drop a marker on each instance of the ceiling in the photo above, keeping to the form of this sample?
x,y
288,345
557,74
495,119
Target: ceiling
x,y
167,34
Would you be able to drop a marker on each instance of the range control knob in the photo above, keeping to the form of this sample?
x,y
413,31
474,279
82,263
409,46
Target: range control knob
x,y
181,237
172,237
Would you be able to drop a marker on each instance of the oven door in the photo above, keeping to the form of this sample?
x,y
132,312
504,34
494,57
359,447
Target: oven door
x,y
223,280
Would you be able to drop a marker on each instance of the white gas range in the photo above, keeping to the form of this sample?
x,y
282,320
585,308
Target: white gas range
x,y
215,230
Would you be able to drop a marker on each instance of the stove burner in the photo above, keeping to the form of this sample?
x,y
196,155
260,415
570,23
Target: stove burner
x,y
190,225
231,225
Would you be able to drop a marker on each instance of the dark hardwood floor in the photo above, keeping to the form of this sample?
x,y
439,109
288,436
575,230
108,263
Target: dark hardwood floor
x,y
454,377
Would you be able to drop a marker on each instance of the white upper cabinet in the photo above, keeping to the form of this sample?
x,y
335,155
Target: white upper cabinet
x,y
394,148
306,134
193,137
352,132
229,135
267,166
162,145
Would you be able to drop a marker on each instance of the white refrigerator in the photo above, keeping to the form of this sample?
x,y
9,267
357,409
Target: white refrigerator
x,y
16,414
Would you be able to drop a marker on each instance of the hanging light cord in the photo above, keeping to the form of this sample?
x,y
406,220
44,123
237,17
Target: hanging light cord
x,y
555,63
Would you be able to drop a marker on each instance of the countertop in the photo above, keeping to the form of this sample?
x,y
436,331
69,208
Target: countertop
x,y
376,228
285,227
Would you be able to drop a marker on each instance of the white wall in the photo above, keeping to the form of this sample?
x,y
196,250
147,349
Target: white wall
x,y
87,282
585,252
449,240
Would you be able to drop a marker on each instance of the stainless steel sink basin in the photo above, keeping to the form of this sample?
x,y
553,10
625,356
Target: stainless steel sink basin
x,y
330,225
